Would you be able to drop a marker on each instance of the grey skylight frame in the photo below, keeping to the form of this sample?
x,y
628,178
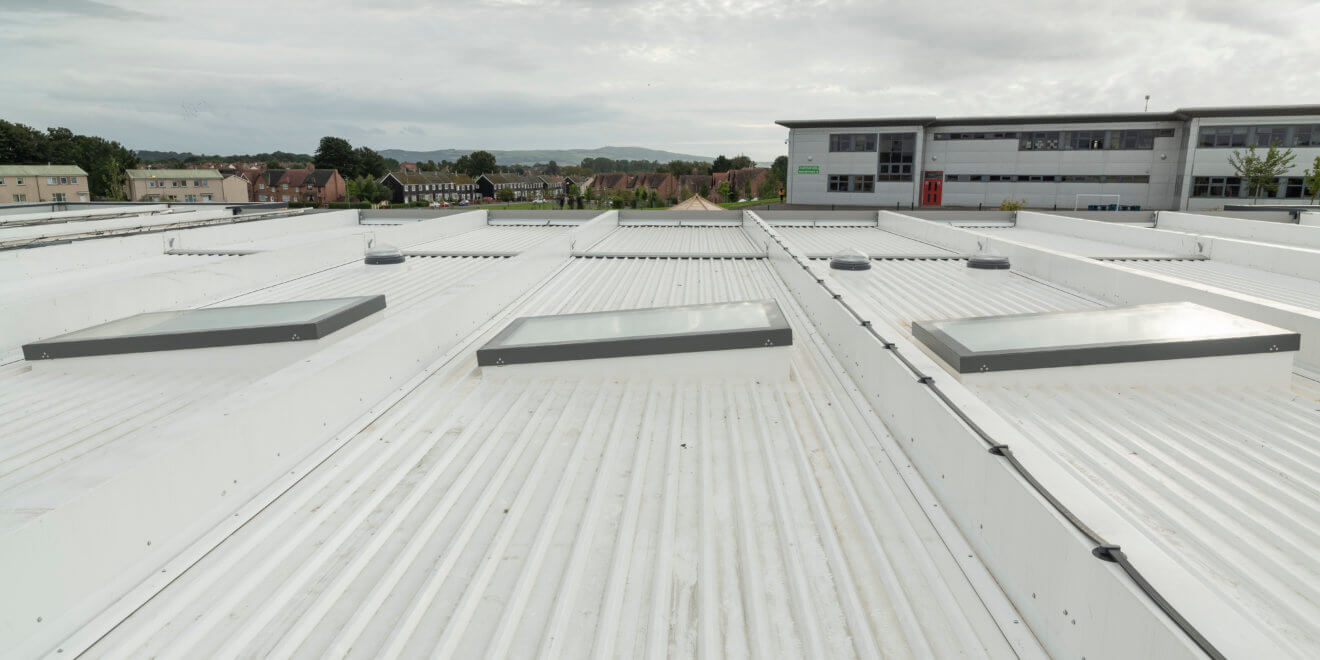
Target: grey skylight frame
x,y
498,351
350,311
964,360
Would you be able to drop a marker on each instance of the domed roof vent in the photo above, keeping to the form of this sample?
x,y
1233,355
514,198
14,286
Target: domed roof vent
x,y
988,262
850,260
382,254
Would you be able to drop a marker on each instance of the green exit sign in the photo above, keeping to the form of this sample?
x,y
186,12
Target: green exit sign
x,y
808,169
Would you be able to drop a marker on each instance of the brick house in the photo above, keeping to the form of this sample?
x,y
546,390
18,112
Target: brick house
x,y
43,183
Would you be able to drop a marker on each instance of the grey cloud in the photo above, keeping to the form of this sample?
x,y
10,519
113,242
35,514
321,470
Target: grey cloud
x,y
84,8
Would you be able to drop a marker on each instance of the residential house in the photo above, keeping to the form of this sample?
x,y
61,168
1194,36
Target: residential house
x,y
553,186
235,188
491,184
175,186
582,182
661,182
611,182
745,182
421,186
43,183
696,184
324,186
465,187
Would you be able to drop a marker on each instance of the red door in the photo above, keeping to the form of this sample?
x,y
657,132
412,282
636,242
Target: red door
x,y
932,188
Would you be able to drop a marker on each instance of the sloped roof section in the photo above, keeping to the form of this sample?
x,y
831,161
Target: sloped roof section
x,y
696,203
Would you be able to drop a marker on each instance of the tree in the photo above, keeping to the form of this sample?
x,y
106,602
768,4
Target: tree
x,y
504,194
368,189
573,190
721,164
1312,180
552,168
779,169
741,162
1261,174
272,165
679,167
371,163
337,154
477,163
725,192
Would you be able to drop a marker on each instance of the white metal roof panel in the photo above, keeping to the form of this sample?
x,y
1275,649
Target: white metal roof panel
x,y
907,290
1226,478
491,239
657,240
569,517
1084,247
1286,289
873,241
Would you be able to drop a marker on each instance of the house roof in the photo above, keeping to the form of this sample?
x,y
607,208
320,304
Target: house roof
x,y
320,177
376,490
500,178
173,174
41,170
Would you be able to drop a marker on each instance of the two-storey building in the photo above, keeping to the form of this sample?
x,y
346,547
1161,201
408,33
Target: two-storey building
x,y
43,183
175,186
1155,160
523,188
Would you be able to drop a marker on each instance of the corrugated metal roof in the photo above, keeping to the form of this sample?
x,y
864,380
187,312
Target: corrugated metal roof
x,y
657,240
493,238
1226,478
569,517
876,242
1084,247
904,290
1241,279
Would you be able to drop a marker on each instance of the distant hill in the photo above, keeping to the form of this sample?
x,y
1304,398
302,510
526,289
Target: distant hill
x,y
149,156
529,156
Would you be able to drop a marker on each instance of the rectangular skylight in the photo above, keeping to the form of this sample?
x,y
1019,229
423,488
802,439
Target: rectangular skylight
x,y
1163,331
208,327
660,330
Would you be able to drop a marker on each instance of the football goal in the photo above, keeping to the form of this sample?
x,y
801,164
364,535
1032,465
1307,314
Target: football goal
x,y
1100,202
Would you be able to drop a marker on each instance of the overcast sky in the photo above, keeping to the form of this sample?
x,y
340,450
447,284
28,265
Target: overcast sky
x,y
701,77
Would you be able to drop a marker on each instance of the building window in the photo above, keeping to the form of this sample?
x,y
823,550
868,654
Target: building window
x,y
57,197
1223,136
1039,141
852,183
50,180
1264,136
285,186
852,141
286,198
895,159
1084,140
20,198
1294,186
1134,139
73,179
2,181
190,198
19,180
977,136
64,181
1216,186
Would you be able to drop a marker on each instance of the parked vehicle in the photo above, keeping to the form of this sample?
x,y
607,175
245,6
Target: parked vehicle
x,y
438,205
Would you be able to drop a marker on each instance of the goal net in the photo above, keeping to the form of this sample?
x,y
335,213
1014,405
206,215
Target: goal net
x,y
1105,202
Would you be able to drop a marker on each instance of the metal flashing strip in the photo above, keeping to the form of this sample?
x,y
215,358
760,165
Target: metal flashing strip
x,y
1101,548
631,332
1138,333
460,253
593,254
210,327
219,252
1189,257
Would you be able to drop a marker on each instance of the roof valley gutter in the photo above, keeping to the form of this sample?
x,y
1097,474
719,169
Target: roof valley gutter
x,y
1102,548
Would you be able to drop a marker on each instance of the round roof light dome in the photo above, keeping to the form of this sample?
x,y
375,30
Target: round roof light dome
x,y
988,262
850,260
382,254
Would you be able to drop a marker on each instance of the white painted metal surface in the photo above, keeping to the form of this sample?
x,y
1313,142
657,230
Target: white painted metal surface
x,y
875,242
1223,477
660,240
615,517
1253,282
489,239
1084,247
